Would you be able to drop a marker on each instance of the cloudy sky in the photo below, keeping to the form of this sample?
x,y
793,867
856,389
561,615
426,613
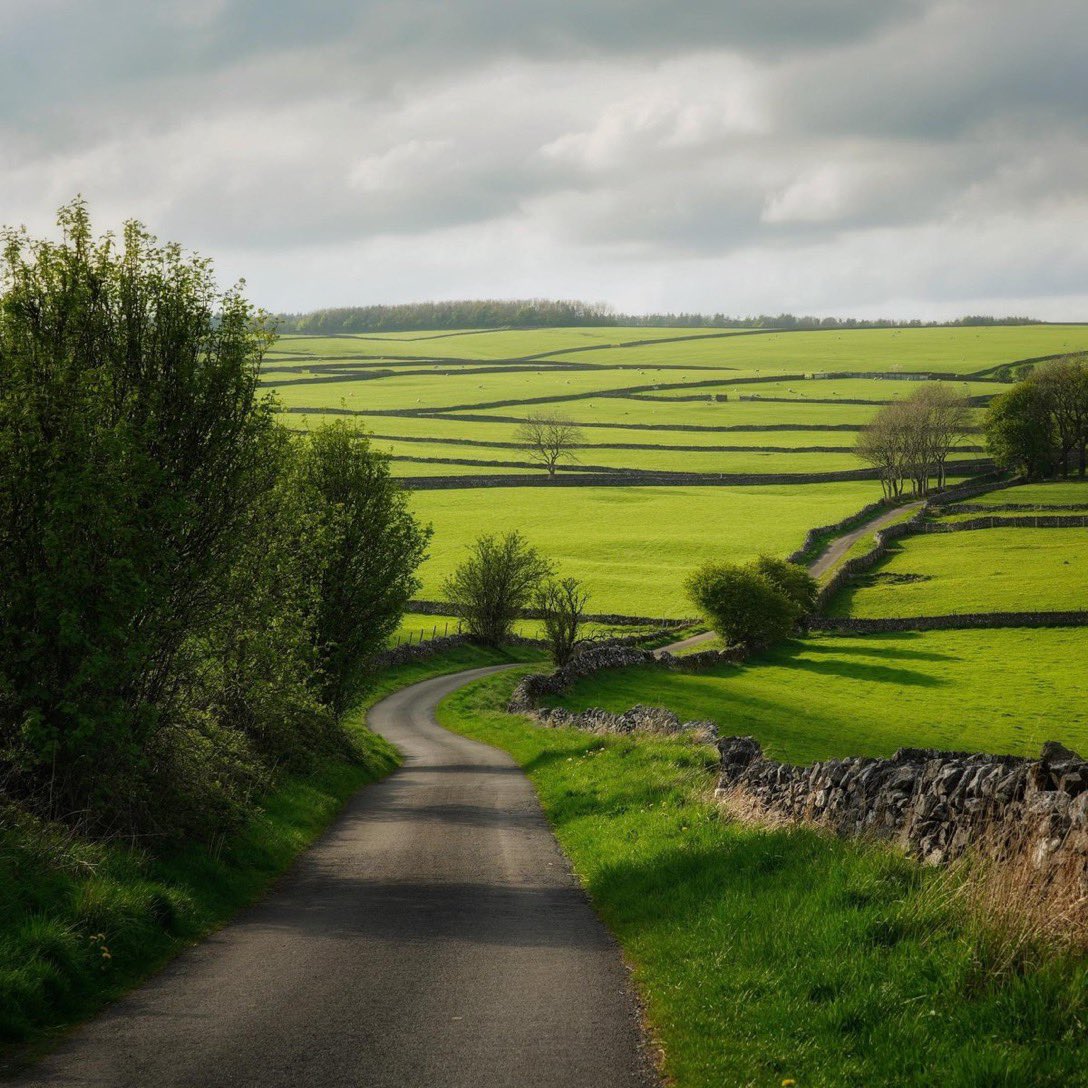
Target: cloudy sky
x,y
868,157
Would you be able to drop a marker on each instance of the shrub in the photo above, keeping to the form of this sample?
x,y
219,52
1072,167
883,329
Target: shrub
x,y
743,605
792,579
561,604
490,589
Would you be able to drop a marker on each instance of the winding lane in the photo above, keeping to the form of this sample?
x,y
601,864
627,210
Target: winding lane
x,y
433,937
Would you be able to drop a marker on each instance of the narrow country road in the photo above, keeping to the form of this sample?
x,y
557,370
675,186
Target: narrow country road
x,y
434,937
835,551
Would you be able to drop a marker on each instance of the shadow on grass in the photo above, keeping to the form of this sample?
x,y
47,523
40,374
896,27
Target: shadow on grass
x,y
856,670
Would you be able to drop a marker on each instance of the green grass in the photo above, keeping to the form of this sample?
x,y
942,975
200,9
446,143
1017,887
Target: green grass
x,y
633,546
959,351
981,570
1059,492
1005,691
416,624
771,957
81,922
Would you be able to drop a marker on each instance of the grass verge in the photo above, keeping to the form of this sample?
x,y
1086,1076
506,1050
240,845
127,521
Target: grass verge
x,y
771,957
82,921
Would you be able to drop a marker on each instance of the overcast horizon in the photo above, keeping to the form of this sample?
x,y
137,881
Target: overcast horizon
x,y
898,158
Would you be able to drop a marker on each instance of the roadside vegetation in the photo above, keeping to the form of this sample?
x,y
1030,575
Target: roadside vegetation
x,y
85,919
190,601
784,956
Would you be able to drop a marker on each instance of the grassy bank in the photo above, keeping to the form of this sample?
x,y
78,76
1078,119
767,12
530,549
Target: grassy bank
x,y
81,922
780,957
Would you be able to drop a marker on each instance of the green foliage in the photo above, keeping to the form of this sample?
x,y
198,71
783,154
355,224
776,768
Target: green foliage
x,y
490,589
770,956
743,605
1040,427
561,603
370,548
187,594
132,442
791,579
1019,431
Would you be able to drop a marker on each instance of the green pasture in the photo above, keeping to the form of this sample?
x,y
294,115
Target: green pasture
x,y
1004,690
438,387
787,957
482,344
703,413
633,546
817,388
1057,492
421,628
981,570
956,351
450,433
742,461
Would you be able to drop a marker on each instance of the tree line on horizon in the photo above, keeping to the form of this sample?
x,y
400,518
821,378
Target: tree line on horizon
x,y
561,313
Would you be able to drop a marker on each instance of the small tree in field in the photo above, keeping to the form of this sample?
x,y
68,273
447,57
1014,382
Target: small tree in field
x,y
562,605
549,438
489,590
743,605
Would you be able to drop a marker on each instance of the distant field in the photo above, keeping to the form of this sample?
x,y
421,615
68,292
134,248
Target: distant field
x,y
984,570
1072,492
445,403
992,691
633,546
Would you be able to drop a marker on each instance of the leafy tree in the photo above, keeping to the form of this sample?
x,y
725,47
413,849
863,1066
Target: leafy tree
x,y
743,605
370,549
1020,433
490,589
562,605
792,579
549,438
132,439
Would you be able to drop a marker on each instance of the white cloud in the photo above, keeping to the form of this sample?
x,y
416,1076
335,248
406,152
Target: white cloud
x,y
736,156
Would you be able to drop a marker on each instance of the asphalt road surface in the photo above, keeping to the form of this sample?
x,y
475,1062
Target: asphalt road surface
x,y
434,937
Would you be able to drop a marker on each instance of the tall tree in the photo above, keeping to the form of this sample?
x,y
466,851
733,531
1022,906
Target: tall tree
x,y
371,546
132,439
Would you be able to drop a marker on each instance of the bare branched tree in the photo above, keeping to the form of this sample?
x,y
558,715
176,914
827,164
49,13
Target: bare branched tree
x,y
562,604
910,441
550,438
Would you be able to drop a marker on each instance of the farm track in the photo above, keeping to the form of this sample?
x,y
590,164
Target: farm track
x,y
435,935
824,562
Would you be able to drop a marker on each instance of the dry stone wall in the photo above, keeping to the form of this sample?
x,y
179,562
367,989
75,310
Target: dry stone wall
x,y
935,804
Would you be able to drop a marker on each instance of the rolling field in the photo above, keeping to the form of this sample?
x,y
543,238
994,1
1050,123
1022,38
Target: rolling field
x,y
632,546
1056,493
708,401
827,696
983,570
